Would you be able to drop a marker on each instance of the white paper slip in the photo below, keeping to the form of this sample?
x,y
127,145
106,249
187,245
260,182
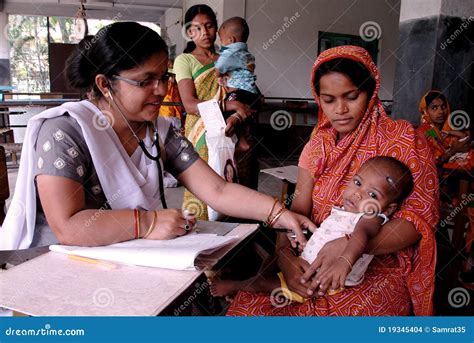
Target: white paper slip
x,y
179,253
212,117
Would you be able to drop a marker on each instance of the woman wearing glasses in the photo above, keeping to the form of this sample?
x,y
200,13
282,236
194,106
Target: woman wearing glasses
x,y
89,173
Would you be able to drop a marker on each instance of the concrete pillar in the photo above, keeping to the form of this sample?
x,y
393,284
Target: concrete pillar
x,y
171,30
436,52
4,51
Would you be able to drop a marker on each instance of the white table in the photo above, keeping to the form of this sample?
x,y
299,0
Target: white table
x,y
54,285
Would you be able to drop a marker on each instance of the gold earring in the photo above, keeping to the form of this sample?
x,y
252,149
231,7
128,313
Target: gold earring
x,y
108,100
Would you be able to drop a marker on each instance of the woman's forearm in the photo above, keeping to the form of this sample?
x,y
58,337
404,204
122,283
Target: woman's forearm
x,y
101,227
251,204
396,235
228,198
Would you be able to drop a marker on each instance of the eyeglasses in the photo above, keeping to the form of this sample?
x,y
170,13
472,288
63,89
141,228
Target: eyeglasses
x,y
147,83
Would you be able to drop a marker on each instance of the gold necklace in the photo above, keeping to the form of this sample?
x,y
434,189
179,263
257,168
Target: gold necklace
x,y
208,58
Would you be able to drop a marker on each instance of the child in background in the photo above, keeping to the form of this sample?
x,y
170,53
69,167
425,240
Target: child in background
x,y
373,194
236,68
173,111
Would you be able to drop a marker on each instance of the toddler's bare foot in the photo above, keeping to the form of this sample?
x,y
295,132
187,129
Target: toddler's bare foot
x,y
222,288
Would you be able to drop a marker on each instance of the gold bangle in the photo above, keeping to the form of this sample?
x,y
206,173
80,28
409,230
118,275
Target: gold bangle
x,y
277,216
152,225
347,260
271,211
238,116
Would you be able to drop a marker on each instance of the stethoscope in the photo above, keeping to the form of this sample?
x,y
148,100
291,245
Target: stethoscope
x,y
142,145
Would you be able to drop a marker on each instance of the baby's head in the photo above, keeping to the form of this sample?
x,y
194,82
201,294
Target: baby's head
x,y
380,186
234,30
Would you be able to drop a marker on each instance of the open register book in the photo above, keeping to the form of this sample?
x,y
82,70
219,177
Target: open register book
x,y
179,253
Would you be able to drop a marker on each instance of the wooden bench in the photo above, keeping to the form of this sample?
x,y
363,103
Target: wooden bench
x,y
13,149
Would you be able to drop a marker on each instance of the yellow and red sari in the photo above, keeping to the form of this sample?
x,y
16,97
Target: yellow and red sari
x,y
396,284
207,88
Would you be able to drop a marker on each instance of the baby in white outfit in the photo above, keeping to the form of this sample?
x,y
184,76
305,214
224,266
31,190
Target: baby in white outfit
x,y
371,196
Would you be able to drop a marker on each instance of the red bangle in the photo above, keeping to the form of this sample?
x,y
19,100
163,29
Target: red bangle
x,y
137,222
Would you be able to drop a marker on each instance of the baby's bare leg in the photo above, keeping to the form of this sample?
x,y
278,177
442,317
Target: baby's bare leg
x,y
243,134
257,284
265,281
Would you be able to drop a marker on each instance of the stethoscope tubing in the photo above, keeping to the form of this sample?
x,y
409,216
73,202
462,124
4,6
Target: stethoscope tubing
x,y
141,143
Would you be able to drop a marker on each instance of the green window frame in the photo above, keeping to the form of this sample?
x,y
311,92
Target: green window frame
x,y
327,40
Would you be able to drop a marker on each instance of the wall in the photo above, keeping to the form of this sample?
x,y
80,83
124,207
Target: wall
x,y
414,9
436,52
171,25
283,68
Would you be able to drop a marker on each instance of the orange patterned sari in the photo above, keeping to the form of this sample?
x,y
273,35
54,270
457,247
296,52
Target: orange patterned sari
x,y
440,141
401,283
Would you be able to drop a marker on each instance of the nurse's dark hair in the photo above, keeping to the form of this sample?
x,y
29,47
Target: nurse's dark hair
x,y
116,47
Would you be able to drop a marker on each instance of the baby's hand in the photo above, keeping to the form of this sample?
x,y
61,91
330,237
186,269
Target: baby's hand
x,y
333,278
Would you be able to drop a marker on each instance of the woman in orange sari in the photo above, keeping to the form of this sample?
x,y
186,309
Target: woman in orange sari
x,y
444,141
352,128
